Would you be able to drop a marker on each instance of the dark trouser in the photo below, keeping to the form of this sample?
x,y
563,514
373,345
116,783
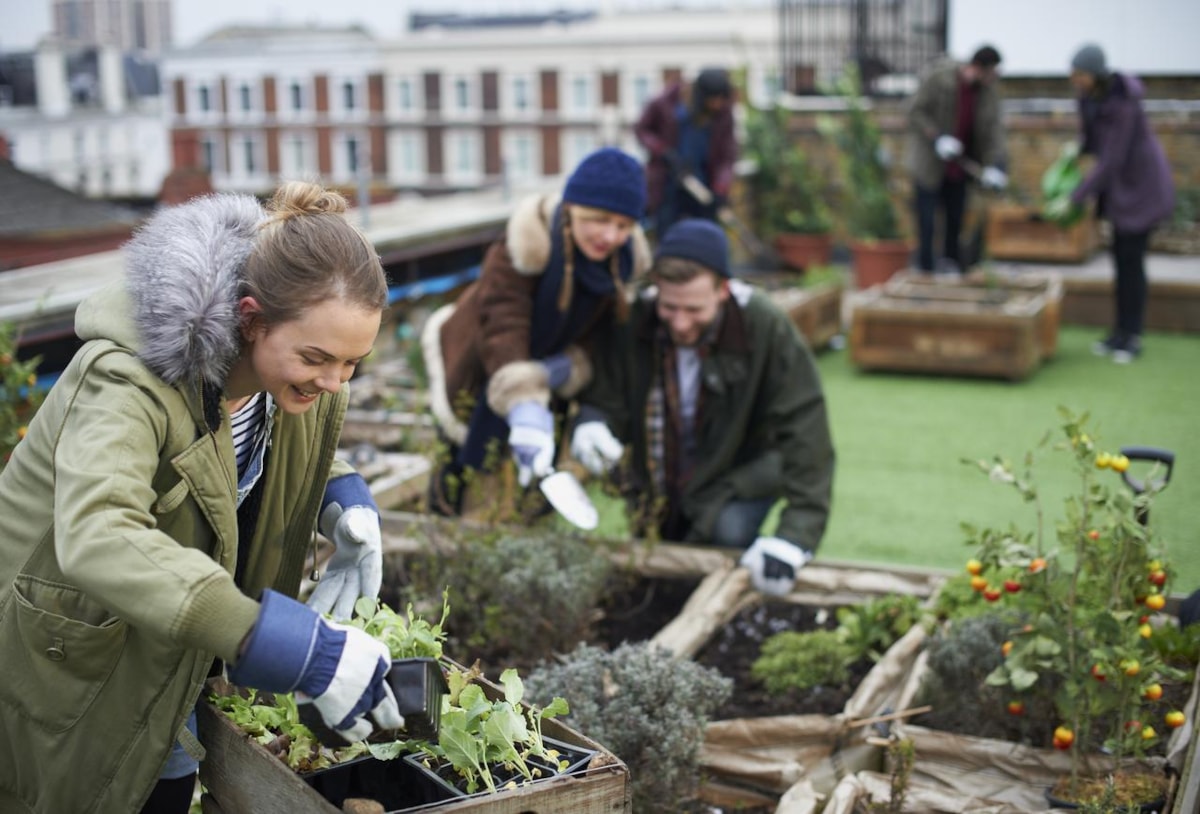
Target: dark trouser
x,y
1129,257
678,204
738,522
171,796
951,196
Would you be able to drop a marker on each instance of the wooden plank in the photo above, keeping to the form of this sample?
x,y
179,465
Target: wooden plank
x,y
711,605
816,312
1016,232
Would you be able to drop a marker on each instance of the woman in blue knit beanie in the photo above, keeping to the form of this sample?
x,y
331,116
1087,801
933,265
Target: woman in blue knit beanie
x,y
506,358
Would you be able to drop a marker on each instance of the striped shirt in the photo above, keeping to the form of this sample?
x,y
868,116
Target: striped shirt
x,y
248,426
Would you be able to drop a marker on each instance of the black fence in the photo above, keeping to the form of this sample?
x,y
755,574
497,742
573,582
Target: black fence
x,y
889,40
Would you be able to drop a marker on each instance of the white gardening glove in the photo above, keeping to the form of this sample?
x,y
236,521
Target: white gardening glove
x,y
948,147
993,178
594,446
773,563
350,520
531,438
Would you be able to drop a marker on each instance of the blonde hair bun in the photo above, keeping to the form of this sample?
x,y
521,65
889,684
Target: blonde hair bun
x,y
296,198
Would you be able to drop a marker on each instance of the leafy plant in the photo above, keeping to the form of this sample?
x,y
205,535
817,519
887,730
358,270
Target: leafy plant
x,y
650,709
786,192
901,755
408,636
518,598
793,660
1087,602
477,735
870,211
19,396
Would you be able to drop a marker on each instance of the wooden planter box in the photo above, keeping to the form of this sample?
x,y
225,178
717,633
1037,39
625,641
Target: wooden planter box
x,y
1016,232
241,777
1171,305
816,312
973,332
969,287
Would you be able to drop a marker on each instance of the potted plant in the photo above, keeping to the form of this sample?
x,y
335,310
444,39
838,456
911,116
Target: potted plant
x,y
877,243
1058,642
787,197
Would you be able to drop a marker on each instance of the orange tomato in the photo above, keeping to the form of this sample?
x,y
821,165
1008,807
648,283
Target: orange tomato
x,y
1175,718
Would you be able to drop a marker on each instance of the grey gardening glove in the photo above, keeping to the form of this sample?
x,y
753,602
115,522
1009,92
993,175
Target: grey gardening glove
x,y
773,563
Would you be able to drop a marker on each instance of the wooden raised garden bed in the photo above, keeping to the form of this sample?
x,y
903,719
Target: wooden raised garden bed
x,y
963,330
1017,232
1171,304
816,312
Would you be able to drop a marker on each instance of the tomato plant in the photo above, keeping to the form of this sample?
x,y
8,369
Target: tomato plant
x,y
1078,588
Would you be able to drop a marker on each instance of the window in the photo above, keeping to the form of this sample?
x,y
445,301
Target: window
x,y
462,95
208,155
248,148
348,95
408,152
581,94
641,91
352,156
578,145
404,96
244,96
463,156
520,160
296,159
204,99
520,89
297,95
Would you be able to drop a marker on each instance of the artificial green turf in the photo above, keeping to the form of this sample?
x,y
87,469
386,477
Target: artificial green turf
x,y
900,491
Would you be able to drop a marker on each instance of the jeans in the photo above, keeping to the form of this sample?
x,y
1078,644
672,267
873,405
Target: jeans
x,y
738,522
951,196
1129,257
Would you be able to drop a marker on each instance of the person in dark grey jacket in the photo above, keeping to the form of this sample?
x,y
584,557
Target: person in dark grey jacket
x,y
1131,182
718,397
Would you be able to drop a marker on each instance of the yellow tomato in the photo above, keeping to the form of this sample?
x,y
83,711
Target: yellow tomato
x,y
1131,667
1153,692
978,583
1103,460
1175,718
1006,648
1156,602
974,567
1148,733
1145,631
1119,463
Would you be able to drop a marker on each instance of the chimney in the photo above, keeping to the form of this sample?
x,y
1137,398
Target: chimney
x,y
50,76
112,79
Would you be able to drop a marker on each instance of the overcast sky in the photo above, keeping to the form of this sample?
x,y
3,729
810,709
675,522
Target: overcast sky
x,y
23,22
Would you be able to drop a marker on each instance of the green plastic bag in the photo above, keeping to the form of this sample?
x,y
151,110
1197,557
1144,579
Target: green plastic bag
x,y
1058,182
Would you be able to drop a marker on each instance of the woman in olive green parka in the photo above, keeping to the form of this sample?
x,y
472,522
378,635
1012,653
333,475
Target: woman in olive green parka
x,y
137,532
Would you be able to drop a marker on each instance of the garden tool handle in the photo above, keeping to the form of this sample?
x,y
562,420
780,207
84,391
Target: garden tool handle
x,y
1155,454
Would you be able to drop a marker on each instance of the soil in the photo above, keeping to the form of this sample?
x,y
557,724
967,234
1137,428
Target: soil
x,y
736,646
637,608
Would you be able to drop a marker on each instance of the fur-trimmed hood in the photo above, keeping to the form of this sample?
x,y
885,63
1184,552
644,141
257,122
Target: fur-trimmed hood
x,y
527,236
182,272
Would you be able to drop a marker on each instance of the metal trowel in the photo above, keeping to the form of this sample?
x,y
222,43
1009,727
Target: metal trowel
x,y
566,495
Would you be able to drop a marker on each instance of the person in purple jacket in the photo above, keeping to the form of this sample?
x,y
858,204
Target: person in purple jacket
x,y
1131,182
688,130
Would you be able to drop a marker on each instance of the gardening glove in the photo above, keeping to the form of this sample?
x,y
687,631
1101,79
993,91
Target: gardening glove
x,y
773,563
948,147
558,370
594,446
993,178
531,437
292,649
349,518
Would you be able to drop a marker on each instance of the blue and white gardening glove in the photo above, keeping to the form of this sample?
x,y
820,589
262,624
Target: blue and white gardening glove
x,y
773,563
594,446
342,669
349,518
993,178
948,147
531,438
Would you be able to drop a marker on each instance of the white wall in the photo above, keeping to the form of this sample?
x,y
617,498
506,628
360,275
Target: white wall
x,y
1038,37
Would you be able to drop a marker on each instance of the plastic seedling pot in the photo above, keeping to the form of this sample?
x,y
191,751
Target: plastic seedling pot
x,y
443,776
418,685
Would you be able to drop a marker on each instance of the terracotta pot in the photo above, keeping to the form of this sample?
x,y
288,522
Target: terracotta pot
x,y
802,251
875,261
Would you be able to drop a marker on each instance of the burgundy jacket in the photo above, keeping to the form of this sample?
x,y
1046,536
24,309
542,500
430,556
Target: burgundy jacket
x,y
1131,177
658,131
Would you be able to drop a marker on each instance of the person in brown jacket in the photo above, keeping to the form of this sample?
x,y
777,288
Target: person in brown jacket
x,y
955,131
514,348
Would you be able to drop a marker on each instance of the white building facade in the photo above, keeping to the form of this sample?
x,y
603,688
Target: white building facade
x,y
93,123
441,109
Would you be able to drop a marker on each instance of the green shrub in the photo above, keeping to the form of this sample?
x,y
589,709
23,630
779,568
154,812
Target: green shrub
x,y
646,707
799,661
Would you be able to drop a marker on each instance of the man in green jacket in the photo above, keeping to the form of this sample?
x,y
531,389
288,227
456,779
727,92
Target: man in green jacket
x,y
718,397
955,133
